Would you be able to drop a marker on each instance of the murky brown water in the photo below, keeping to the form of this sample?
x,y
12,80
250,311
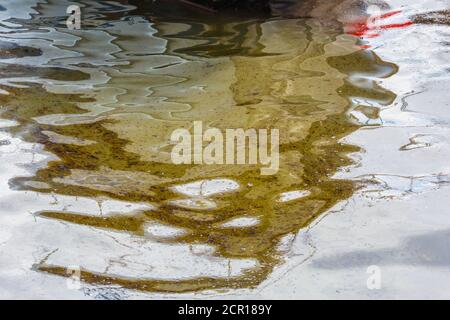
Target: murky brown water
x,y
104,101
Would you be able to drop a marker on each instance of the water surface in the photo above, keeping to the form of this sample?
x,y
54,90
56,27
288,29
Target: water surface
x,y
87,117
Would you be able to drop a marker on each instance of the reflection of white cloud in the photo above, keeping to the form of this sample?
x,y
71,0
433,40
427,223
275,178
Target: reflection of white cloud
x,y
206,188
243,222
162,231
293,195
123,255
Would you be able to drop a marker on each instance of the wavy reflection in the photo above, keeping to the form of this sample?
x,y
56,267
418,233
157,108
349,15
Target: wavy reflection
x,y
105,100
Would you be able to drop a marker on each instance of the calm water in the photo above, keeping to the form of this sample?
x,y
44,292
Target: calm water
x,y
87,117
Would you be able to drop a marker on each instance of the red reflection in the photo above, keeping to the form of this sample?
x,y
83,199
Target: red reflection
x,y
372,26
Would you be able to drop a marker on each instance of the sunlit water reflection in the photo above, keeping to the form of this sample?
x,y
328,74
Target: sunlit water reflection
x,y
87,178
